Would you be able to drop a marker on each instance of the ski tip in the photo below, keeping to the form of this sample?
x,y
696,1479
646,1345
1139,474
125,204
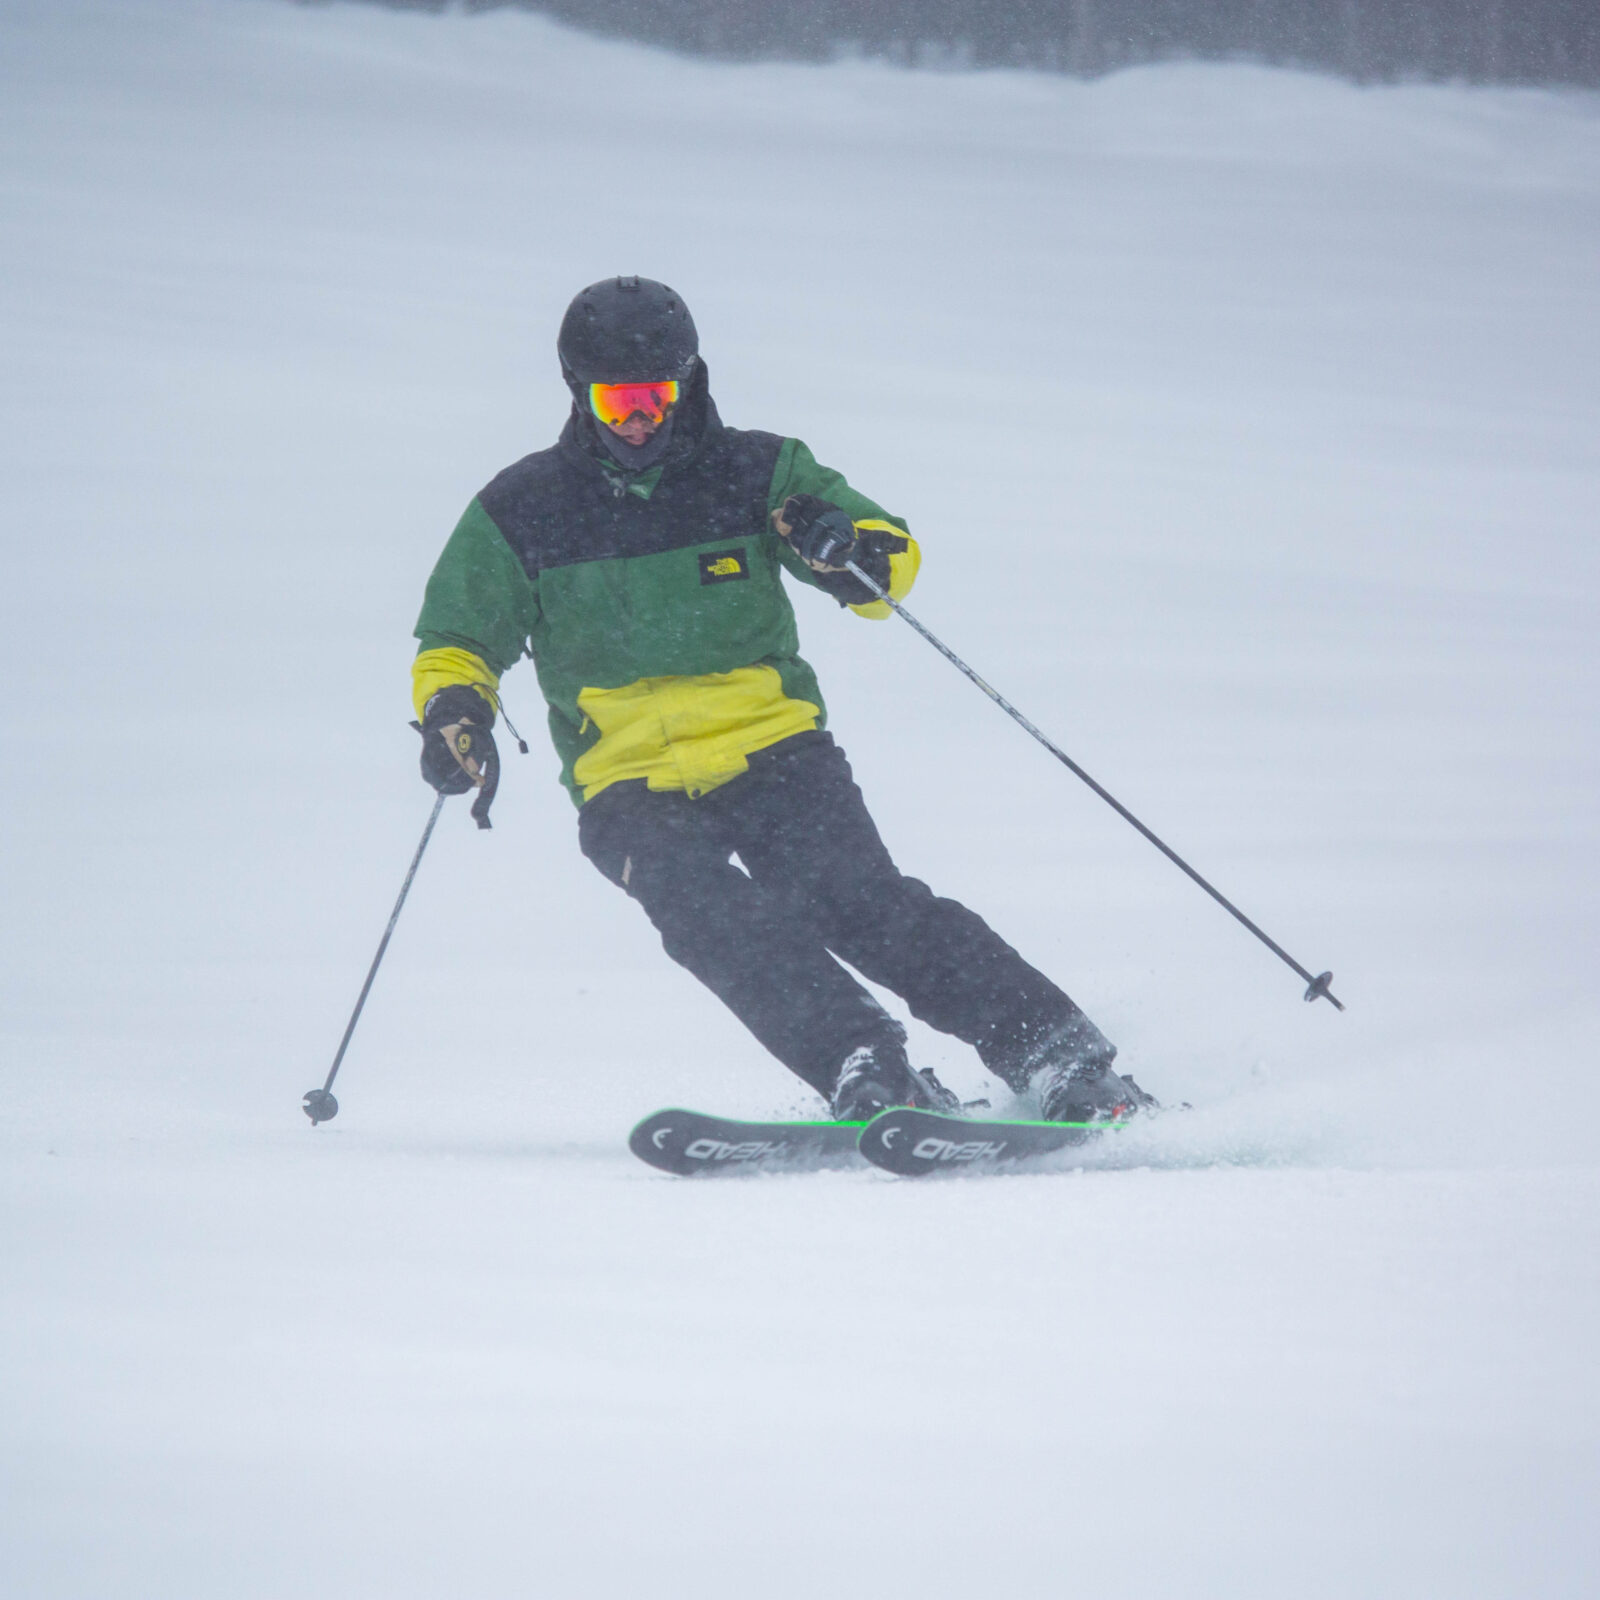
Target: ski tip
x,y
890,1139
652,1135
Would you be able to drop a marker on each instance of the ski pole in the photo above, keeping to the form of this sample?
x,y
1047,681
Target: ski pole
x,y
1318,986
320,1104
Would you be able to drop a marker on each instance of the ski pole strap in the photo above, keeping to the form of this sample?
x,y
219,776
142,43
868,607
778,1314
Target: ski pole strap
x,y
1318,986
489,787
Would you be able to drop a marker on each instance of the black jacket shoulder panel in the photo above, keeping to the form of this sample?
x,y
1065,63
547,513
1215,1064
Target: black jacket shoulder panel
x,y
755,448
533,478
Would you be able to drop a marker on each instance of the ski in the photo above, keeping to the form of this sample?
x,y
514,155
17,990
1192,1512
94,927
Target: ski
x,y
914,1143
690,1143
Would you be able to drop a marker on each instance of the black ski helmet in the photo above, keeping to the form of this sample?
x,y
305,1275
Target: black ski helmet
x,y
626,330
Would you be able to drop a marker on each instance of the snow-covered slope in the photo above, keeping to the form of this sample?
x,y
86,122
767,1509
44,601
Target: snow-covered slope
x,y
1251,426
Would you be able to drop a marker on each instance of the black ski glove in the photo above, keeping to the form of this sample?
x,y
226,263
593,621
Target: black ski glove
x,y
458,750
869,548
819,533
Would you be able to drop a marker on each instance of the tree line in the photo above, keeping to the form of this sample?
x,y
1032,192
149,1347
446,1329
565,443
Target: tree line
x,y
1483,41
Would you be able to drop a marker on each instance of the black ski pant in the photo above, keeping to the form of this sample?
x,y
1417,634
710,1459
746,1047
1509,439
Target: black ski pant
x,y
817,879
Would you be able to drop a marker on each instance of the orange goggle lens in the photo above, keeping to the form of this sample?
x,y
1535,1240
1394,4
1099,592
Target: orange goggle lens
x,y
614,403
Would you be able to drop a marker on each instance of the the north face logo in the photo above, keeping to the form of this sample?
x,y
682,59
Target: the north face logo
x,y
723,566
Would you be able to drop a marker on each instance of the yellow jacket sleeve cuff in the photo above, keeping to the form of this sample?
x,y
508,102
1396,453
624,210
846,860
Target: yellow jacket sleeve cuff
x,y
434,670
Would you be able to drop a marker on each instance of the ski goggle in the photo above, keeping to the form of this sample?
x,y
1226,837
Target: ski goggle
x,y
614,403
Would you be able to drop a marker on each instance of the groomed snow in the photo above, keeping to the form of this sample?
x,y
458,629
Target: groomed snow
x,y
1251,425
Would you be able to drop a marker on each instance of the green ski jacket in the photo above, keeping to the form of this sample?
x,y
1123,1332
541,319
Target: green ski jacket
x,y
651,603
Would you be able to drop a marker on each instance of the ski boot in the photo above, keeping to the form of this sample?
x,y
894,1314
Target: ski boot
x,y
876,1077
1088,1091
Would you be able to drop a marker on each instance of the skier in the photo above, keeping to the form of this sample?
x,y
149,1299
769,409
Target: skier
x,y
637,562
